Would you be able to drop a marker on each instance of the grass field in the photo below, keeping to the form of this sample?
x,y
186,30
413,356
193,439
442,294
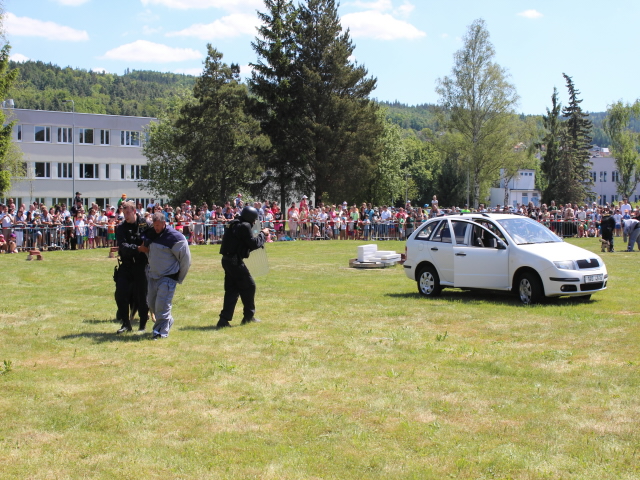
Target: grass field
x,y
350,375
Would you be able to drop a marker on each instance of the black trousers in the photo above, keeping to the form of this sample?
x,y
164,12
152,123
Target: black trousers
x,y
238,282
131,291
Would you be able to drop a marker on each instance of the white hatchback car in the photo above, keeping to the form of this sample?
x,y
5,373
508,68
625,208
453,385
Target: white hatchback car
x,y
500,252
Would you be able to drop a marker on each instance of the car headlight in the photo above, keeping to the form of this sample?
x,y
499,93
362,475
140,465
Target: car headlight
x,y
565,265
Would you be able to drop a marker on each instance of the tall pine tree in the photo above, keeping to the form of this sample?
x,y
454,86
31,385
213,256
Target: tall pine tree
x,y
271,82
339,123
550,160
576,142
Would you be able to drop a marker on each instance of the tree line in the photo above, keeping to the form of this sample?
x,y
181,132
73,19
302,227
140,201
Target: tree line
x,y
305,122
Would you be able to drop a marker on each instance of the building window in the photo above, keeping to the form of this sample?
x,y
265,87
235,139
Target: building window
x,y
614,198
104,137
129,138
42,170
603,177
107,171
604,200
65,170
89,170
42,134
594,177
122,174
86,135
19,133
615,176
137,172
65,135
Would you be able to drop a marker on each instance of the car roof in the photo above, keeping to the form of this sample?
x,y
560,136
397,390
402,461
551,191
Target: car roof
x,y
495,216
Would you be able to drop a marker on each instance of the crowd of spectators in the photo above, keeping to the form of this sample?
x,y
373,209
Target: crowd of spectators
x,y
90,226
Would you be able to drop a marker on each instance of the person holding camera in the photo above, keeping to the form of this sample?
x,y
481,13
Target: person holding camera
x,y
237,244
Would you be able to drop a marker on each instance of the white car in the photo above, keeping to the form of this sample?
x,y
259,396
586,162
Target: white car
x,y
500,252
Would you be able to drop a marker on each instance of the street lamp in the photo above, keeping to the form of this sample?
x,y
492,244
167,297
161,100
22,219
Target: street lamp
x,y
73,146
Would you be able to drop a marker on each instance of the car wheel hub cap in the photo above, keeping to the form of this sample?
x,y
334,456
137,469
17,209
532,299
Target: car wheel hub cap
x,y
427,283
525,291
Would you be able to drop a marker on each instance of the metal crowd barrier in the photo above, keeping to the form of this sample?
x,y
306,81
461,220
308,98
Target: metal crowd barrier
x,y
60,237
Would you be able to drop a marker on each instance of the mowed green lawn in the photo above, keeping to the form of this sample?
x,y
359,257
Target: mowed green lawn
x,y
350,375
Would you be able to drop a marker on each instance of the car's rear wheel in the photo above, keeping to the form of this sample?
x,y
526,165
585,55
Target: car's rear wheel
x,y
429,282
530,288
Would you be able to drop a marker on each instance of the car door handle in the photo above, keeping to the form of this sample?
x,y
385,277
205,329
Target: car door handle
x,y
434,249
461,254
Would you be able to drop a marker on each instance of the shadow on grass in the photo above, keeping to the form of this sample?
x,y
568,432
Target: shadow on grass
x,y
110,336
496,297
206,328
96,321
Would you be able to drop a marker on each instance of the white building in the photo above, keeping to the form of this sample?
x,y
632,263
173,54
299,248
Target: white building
x,y
99,156
519,189
604,173
605,176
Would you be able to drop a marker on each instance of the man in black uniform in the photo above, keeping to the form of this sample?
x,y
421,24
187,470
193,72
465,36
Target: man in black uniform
x,y
607,228
131,278
238,241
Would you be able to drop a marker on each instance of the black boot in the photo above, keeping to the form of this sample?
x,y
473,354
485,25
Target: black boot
x,y
250,320
222,324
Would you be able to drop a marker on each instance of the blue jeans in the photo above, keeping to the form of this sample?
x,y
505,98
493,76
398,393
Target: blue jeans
x,y
633,238
159,297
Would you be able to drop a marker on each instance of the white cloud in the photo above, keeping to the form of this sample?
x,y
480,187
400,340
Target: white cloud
x,y
71,3
147,30
532,14
229,5
18,57
444,35
99,70
384,5
233,25
381,26
145,51
30,27
405,9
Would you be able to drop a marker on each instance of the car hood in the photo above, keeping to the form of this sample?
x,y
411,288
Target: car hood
x,y
559,251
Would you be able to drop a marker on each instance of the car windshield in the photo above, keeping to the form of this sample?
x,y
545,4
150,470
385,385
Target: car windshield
x,y
525,231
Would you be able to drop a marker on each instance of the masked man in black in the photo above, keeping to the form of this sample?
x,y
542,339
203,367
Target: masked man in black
x,y
237,243
131,279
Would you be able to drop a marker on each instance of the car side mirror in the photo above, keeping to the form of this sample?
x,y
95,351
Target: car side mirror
x,y
501,245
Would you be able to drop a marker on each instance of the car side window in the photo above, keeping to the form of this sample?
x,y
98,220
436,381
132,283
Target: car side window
x,y
483,238
491,227
460,230
442,233
426,232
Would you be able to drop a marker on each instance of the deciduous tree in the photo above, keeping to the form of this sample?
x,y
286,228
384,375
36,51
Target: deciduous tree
x,y
624,144
477,101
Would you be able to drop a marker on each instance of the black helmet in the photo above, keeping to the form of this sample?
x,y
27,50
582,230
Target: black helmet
x,y
249,214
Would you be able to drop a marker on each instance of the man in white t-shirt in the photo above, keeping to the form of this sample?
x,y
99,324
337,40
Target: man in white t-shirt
x,y
625,207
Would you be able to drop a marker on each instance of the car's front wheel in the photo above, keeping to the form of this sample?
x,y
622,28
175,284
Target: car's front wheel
x,y
530,288
429,282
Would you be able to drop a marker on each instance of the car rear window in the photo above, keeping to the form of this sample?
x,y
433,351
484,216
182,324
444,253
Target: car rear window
x,y
426,232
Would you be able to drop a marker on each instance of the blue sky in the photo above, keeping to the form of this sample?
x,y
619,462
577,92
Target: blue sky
x,y
406,44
